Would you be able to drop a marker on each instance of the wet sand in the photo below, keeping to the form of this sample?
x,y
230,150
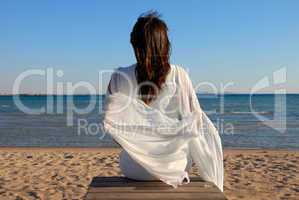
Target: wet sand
x,y
65,173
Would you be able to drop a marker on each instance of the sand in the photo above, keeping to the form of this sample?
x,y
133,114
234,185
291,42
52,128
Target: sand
x,y
64,173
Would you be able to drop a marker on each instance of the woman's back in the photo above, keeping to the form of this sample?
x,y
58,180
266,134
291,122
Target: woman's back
x,y
160,139
168,100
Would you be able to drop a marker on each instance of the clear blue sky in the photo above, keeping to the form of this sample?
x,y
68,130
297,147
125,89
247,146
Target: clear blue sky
x,y
218,41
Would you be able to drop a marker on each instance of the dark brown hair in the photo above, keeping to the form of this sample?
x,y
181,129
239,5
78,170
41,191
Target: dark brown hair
x,y
152,51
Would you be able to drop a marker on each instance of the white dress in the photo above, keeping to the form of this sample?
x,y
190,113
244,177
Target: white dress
x,y
162,139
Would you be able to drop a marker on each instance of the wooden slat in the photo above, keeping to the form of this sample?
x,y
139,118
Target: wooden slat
x,y
123,188
144,184
159,196
150,189
120,181
124,179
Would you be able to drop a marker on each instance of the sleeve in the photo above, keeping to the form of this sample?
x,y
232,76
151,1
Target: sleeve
x,y
206,149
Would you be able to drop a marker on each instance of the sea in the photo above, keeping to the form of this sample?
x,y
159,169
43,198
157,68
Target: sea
x,y
262,121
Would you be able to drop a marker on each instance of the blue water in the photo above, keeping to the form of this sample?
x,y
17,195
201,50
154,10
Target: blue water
x,y
231,113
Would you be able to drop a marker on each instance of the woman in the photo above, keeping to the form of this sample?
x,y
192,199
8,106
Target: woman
x,y
152,111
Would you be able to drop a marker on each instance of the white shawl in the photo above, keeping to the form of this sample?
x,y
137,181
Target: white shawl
x,y
160,140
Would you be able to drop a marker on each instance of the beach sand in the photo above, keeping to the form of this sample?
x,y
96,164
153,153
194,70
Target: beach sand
x,y
65,173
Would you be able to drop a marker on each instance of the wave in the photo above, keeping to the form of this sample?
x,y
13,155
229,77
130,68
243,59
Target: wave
x,y
5,106
251,112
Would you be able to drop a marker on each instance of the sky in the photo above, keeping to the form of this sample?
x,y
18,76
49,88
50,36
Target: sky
x,y
221,43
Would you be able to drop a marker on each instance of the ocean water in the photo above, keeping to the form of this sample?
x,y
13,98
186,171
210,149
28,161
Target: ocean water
x,y
243,121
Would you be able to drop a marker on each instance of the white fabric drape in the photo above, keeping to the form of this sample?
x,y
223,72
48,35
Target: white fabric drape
x,y
162,135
